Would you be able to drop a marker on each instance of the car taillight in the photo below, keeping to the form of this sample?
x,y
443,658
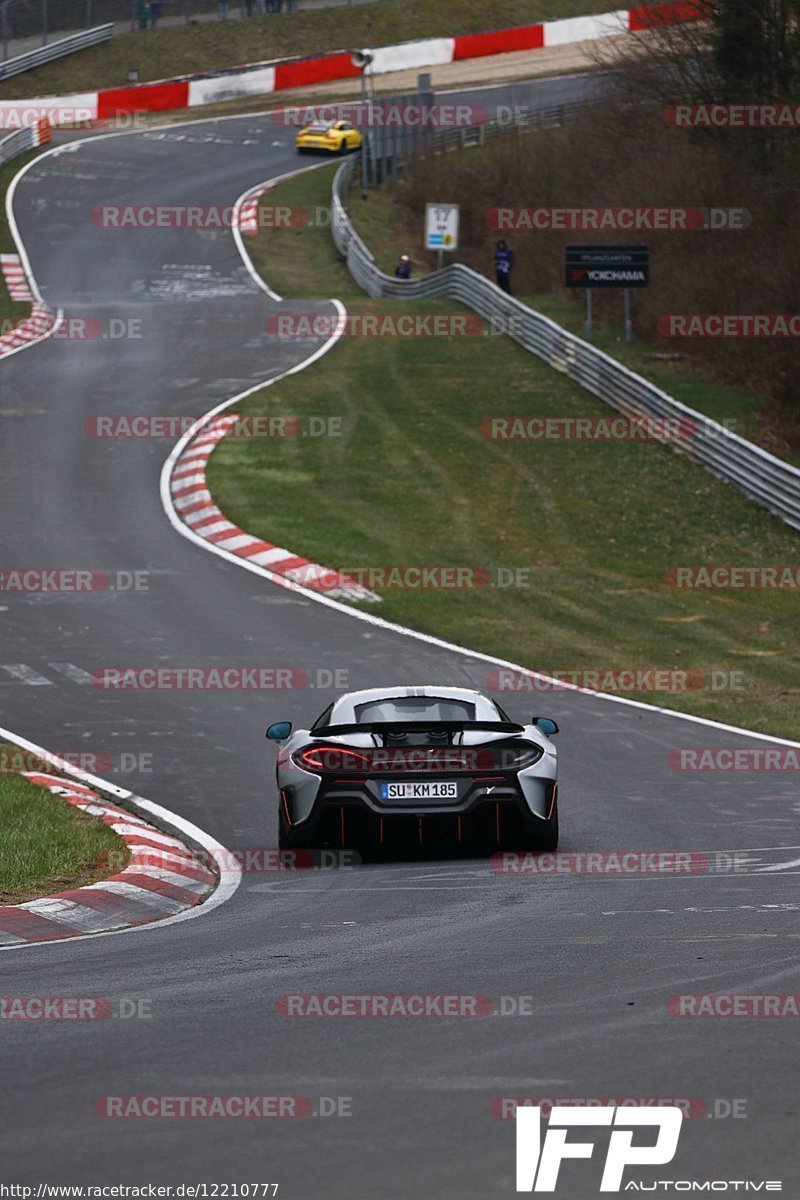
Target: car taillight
x,y
516,756
331,758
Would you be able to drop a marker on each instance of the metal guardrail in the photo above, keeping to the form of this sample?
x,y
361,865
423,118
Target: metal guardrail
x,y
54,50
17,143
761,476
391,150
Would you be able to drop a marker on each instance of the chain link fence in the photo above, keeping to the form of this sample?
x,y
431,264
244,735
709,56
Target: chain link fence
x,y
392,147
25,24
60,48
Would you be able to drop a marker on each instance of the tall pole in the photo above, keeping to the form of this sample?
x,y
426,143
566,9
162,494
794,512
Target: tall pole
x,y
364,185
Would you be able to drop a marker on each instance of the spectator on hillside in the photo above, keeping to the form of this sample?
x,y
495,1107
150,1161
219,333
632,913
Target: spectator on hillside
x,y
144,16
503,264
155,12
403,268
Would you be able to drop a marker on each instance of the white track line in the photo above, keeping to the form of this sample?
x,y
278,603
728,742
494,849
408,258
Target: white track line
x,y
26,266
230,874
237,233
353,613
358,614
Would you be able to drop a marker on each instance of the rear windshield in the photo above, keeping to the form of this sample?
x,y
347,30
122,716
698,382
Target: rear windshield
x,y
415,708
318,128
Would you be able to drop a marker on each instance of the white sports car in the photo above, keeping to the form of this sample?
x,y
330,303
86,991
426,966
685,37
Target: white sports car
x,y
417,766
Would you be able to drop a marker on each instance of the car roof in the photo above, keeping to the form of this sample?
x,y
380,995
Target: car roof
x,y
344,708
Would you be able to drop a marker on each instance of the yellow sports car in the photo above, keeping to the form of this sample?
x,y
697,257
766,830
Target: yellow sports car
x,y
337,137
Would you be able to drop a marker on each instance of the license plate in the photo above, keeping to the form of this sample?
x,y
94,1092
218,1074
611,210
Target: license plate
x,y
445,790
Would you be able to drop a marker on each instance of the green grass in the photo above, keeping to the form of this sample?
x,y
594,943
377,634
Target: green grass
x,y
210,45
390,229
11,311
46,844
411,481
303,261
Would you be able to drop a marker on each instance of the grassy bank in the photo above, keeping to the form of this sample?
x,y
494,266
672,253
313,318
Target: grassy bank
x,y
593,165
47,845
211,45
391,224
593,526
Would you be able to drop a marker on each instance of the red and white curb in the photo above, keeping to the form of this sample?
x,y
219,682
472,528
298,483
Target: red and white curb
x,y
179,453
190,91
196,509
30,329
14,276
163,877
247,212
41,320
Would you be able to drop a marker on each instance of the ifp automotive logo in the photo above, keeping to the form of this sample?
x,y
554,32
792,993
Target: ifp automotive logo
x,y
538,1162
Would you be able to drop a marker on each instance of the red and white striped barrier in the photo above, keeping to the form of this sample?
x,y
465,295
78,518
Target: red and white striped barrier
x,y
163,877
42,131
192,91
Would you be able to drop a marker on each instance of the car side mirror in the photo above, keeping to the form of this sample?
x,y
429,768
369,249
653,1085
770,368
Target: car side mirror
x,y
547,725
279,731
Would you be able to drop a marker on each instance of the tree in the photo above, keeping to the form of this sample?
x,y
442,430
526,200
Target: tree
x,y
755,49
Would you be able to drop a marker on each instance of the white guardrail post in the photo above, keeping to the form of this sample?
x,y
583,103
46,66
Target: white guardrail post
x,y
761,476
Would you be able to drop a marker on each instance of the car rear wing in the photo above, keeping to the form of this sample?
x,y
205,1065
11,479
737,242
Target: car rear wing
x,y
397,727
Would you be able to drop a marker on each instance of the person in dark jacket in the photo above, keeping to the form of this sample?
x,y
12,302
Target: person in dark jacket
x,y
503,264
403,268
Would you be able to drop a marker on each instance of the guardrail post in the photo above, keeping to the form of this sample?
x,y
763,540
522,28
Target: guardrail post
x,y
44,22
4,22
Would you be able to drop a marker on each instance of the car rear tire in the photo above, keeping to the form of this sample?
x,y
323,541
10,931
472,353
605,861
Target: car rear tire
x,y
287,837
548,839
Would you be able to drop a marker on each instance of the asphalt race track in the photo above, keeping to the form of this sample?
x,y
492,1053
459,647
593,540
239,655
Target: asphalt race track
x,y
598,956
